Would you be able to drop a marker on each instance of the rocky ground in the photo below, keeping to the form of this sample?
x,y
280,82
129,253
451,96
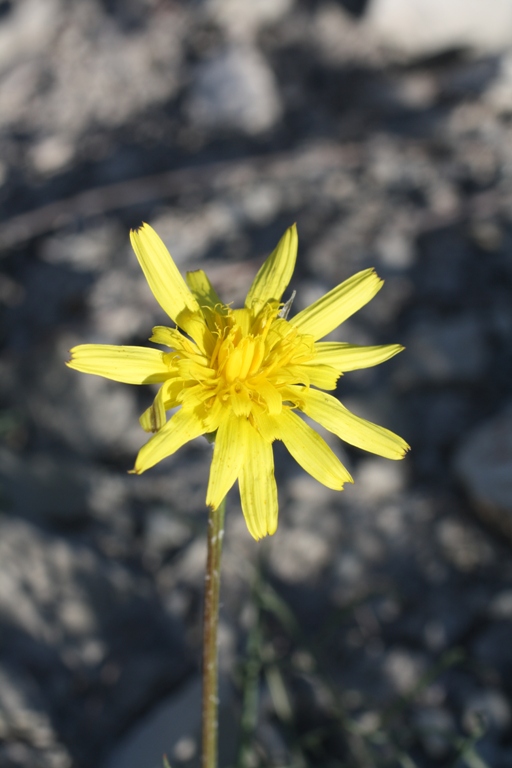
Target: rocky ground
x,y
375,627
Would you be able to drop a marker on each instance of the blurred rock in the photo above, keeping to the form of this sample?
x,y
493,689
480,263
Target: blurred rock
x,y
242,21
416,28
436,728
174,729
29,28
91,69
483,463
492,707
443,351
90,250
27,733
338,38
190,235
299,555
51,155
395,249
404,669
45,487
377,479
88,413
499,95
235,90
94,636
501,605
462,544
122,306
165,731
492,649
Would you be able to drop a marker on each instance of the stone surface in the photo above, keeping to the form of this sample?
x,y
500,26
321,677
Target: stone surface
x,y
242,21
73,617
418,28
236,90
450,350
42,487
484,465
174,729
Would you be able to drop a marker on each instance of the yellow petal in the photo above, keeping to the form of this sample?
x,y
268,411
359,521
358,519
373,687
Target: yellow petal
x,y
228,457
203,290
242,317
272,280
155,417
162,274
332,415
350,357
168,337
270,395
265,424
131,365
335,307
258,490
194,324
323,376
311,451
181,428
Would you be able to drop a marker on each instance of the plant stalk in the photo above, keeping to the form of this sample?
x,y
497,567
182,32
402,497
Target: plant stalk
x,y
210,644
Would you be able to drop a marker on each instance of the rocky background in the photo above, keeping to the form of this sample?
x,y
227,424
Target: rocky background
x,y
375,627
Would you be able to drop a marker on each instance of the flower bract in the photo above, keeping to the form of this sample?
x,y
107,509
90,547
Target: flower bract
x,y
246,375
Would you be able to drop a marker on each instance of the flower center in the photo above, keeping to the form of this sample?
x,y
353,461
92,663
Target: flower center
x,y
238,362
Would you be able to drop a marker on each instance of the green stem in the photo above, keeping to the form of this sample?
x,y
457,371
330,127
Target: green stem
x,y
210,646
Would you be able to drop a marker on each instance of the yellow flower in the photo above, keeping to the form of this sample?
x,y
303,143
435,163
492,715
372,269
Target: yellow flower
x,y
244,374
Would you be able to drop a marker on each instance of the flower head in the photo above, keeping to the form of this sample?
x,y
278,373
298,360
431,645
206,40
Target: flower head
x,y
245,374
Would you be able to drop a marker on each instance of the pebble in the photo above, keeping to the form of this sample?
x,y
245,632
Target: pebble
x,y
235,90
173,728
242,22
483,462
492,706
78,617
416,28
445,351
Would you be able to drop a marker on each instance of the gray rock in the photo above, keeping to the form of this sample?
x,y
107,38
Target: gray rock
x,y
414,28
404,669
89,251
483,463
444,351
491,706
174,724
492,649
30,29
51,155
235,90
436,727
44,487
84,411
99,643
300,556
25,726
242,21
174,729
94,72
378,479
501,605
